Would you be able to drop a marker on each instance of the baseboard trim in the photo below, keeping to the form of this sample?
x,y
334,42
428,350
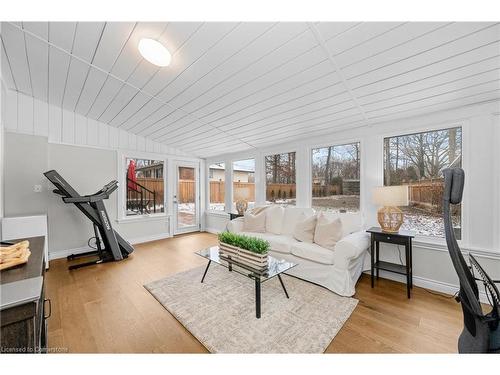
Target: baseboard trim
x,y
78,250
434,285
212,230
154,237
64,253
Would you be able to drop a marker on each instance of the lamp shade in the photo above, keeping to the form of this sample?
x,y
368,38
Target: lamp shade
x,y
391,195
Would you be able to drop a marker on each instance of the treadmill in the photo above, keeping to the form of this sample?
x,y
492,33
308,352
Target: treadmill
x,y
92,206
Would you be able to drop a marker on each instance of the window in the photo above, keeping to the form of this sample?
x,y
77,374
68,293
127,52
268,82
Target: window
x,y
244,182
216,180
335,178
145,186
417,160
280,178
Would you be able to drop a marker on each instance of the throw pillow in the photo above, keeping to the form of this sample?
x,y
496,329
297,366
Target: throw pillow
x,y
304,229
254,223
274,219
328,232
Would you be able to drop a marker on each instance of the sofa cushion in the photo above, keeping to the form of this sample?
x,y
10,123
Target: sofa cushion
x,y
313,252
304,229
351,221
254,223
274,219
291,217
279,243
327,232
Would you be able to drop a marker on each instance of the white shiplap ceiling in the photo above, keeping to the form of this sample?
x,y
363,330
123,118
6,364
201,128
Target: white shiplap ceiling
x,y
237,86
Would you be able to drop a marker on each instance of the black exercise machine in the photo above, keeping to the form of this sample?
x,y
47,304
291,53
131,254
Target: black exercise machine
x,y
92,206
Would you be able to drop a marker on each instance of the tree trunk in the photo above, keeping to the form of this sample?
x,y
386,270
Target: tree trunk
x,y
327,166
452,149
387,168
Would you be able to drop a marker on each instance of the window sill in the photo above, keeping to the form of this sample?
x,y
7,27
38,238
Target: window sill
x,y
142,218
217,213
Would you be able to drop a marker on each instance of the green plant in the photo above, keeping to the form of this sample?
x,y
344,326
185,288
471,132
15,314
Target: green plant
x,y
253,244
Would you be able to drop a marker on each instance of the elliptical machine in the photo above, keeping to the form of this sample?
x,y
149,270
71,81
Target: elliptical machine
x,y
92,206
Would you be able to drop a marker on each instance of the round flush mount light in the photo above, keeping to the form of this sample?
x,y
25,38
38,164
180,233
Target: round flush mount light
x,y
154,52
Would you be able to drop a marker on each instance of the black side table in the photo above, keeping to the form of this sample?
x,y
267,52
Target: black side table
x,y
403,237
233,215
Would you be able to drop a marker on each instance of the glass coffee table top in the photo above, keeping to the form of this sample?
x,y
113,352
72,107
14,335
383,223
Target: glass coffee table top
x,y
274,266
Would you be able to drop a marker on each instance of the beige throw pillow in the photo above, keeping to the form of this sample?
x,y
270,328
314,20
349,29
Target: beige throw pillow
x,y
254,223
327,232
304,229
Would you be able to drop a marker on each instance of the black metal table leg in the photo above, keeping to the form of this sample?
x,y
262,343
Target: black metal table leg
x,y
411,264
283,286
377,258
372,256
257,297
206,269
408,275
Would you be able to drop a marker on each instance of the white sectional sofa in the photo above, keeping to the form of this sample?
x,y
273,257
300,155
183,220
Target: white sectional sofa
x,y
337,269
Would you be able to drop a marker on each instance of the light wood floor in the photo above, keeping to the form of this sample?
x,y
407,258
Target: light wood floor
x,y
106,309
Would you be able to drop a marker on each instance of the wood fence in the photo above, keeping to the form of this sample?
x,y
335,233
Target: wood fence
x,y
153,184
186,191
427,194
325,191
217,191
280,191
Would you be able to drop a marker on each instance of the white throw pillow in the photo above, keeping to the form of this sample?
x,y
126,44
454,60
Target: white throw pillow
x,y
292,216
327,232
274,219
254,223
304,229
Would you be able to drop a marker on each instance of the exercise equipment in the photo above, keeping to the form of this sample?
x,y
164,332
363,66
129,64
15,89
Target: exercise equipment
x,y
481,333
92,206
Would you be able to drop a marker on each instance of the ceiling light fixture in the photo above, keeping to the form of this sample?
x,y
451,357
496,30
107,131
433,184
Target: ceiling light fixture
x,y
154,52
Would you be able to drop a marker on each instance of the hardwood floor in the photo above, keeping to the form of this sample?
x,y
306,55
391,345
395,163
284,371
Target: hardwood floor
x,y
106,309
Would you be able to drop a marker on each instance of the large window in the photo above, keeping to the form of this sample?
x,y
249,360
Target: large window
x,y
244,182
145,186
216,180
335,178
280,178
417,160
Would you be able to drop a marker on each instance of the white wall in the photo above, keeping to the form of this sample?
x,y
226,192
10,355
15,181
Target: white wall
x,y
481,206
40,137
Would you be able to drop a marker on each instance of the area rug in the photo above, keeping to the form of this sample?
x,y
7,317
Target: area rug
x,y
220,313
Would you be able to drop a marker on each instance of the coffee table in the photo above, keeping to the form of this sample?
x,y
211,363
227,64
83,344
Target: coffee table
x,y
274,268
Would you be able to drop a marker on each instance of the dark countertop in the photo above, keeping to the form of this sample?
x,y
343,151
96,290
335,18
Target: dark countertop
x,y
33,268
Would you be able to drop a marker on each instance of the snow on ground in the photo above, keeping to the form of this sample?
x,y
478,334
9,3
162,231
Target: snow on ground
x,y
422,222
186,207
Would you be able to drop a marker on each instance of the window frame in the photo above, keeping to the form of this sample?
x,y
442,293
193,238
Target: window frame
x,y
264,172
121,206
207,179
464,125
254,158
334,144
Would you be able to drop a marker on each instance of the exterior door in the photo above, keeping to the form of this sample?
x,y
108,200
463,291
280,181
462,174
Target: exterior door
x,y
186,198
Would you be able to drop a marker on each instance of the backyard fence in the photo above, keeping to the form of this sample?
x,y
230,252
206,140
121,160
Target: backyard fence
x,y
325,191
280,191
153,184
186,191
217,191
427,194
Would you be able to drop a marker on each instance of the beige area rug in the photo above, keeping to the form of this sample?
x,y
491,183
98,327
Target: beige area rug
x,y
220,313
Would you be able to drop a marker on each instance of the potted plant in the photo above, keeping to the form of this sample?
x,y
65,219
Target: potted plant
x,y
250,251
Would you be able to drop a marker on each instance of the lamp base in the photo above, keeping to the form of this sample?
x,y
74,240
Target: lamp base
x,y
390,219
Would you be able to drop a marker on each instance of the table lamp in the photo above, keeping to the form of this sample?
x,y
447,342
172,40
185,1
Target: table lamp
x,y
389,216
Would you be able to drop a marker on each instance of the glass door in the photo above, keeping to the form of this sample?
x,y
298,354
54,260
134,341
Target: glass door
x,y
186,198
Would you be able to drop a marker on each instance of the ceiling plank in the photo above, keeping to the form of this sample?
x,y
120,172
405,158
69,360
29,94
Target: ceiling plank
x,y
15,49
